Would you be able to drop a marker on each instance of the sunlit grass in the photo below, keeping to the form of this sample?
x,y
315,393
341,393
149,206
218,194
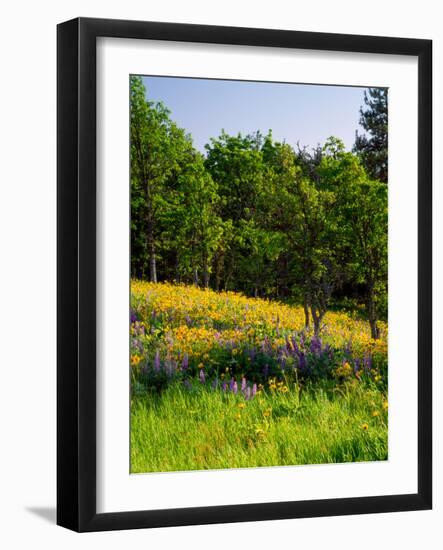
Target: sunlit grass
x,y
198,428
220,380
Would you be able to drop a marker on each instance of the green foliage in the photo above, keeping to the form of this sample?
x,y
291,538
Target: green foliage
x,y
153,163
361,226
245,254
373,148
173,198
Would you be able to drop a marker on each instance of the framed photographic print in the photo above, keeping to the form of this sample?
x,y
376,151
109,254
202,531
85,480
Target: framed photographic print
x,y
244,274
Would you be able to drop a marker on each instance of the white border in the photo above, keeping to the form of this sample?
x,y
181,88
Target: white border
x,y
117,490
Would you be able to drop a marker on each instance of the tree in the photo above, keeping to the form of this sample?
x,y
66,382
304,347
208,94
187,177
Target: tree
x,y
304,213
362,232
368,224
373,148
160,153
150,166
309,161
236,165
194,225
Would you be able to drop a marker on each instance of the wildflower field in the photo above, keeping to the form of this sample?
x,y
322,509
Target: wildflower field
x,y
220,380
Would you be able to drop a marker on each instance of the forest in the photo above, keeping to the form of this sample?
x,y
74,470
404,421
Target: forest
x,y
261,217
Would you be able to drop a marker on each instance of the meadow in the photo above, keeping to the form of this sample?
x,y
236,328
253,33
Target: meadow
x,y
221,380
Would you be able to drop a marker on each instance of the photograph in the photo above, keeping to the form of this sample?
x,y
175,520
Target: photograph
x,y
222,316
259,274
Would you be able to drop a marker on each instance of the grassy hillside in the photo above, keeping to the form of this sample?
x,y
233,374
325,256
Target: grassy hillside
x,y
220,380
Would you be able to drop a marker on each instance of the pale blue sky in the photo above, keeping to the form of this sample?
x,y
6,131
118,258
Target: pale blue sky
x,y
303,113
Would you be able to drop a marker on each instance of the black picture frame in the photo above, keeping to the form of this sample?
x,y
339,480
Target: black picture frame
x,y
76,280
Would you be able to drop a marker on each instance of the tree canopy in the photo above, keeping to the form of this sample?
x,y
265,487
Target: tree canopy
x,y
373,146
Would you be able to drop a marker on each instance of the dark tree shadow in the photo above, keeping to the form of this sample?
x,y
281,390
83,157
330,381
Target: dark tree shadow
x,y
46,513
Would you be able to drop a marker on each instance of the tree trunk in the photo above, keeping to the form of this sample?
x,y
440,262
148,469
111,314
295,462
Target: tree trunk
x,y
372,314
306,309
206,277
317,316
372,318
375,332
218,270
177,268
195,276
205,271
153,266
151,251
316,321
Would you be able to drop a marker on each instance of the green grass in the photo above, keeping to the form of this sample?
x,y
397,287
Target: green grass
x,y
199,429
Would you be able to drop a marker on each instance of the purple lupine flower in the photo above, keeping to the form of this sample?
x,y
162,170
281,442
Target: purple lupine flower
x,y
231,384
167,367
234,387
282,361
288,344
302,361
295,345
133,316
185,361
328,350
187,384
188,320
254,389
215,384
248,393
367,362
266,371
224,386
356,365
315,346
202,376
157,361
243,384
